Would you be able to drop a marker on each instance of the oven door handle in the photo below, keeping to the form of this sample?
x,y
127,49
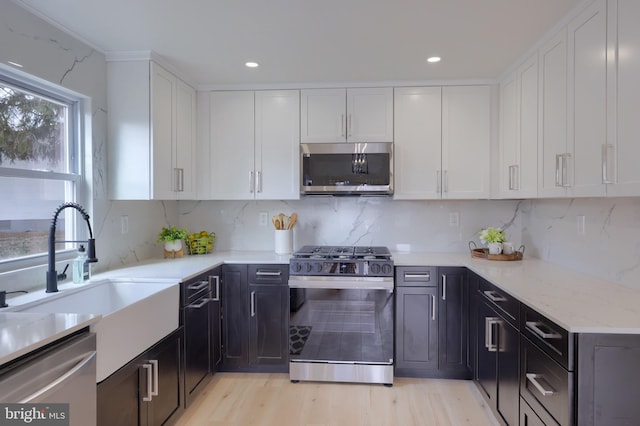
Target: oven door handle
x,y
342,283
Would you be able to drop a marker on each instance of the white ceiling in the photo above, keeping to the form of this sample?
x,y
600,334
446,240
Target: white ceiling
x,y
314,41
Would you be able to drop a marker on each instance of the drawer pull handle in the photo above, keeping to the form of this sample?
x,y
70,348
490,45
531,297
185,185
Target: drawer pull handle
x,y
199,285
489,322
425,276
494,296
535,328
268,274
533,378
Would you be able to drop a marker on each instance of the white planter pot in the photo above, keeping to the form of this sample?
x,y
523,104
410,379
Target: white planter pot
x,y
173,245
495,248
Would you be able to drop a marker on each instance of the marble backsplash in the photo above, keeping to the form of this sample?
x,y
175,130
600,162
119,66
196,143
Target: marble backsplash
x,y
400,225
609,247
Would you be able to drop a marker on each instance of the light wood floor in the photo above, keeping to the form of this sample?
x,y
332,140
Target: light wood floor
x,y
243,399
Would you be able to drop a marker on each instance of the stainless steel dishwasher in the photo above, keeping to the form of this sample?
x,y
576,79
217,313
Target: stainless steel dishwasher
x,y
63,372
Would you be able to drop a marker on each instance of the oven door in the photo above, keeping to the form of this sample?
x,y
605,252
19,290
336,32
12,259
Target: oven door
x,y
342,324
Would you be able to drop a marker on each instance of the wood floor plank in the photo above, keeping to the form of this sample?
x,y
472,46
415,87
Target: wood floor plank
x,y
247,399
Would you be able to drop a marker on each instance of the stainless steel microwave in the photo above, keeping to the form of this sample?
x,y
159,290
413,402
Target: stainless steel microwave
x,y
346,168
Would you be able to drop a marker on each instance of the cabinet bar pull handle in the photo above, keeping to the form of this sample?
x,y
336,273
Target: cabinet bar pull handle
x,y
176,179
251,182
342,125
438,182
180,180
154,362
494,296
433,308
510,178
446,181
259,181
199,304
444,287
427,276
350,125
535,328
565,169
533,378
217,280
269,273
253,303
199,285
605,164
149,369
489,322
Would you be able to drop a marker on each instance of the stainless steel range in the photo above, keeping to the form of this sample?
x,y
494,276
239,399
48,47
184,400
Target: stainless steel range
x,y
341,327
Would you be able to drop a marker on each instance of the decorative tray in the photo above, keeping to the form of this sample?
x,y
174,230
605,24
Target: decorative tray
x,y
483,253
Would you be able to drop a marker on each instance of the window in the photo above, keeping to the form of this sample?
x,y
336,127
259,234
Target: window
x,y
40,168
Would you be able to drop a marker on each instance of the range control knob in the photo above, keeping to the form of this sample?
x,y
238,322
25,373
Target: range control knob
x,y
296,267
387,269
309,267
374,268
318,267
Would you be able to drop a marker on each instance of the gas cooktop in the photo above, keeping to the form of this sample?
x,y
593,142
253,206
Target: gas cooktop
x,y
356,261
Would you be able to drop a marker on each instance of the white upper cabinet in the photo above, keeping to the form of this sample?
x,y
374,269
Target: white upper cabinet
x,y
466,141
418,143
347,115
253,145
442,146
151,133
518,145
553,154
587,94
623,149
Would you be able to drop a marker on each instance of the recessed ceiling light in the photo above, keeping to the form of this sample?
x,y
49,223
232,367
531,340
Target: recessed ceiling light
x,y
15,64
433,59
251,64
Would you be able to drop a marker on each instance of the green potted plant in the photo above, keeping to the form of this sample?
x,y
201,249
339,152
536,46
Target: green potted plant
x,y
493,237
172,238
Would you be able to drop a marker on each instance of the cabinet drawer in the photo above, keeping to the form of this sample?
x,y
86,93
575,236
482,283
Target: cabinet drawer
x,y
416,276
546,383
509,305
557,342
268,274
530,416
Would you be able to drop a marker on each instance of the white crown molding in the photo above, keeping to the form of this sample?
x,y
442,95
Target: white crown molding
x,y
148,55
324,85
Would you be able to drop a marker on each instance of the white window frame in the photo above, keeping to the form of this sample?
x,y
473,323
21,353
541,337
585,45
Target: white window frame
x,y
79,131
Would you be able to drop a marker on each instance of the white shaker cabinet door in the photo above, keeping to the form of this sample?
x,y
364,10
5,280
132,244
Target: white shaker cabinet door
x,y
552,113
370,115
231,155
277,144
622,152
588,98
184,150
418,143
509,140
466,140
323,116
163,95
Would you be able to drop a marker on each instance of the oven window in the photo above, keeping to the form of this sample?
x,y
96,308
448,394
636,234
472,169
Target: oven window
x,y
346,169
343,325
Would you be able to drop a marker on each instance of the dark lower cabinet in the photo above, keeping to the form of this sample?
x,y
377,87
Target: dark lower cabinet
x,y
146,391
416,331
255,318
453,308
497,370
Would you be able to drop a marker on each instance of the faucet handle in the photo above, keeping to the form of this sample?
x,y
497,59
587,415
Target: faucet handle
x,y
63,275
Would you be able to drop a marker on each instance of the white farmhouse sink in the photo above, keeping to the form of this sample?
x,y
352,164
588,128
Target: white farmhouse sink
x,y
135,315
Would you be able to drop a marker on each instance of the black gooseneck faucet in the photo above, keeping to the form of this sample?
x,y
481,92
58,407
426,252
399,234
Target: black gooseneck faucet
x,y
52,274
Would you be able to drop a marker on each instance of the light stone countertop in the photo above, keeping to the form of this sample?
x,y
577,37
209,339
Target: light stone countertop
x,y
577,302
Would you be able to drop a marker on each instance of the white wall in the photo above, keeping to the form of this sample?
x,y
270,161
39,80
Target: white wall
x,y
56,57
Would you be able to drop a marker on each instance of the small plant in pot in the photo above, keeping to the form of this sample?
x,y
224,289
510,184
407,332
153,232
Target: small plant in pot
x,y
172,238
493,237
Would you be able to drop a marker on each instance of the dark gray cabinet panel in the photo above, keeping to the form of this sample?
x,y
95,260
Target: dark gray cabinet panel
x,y
608,381
453,308
416,330
121,395
255,318
235,316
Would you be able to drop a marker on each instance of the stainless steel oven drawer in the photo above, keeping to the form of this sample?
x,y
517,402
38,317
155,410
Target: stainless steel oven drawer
x,y
546,383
